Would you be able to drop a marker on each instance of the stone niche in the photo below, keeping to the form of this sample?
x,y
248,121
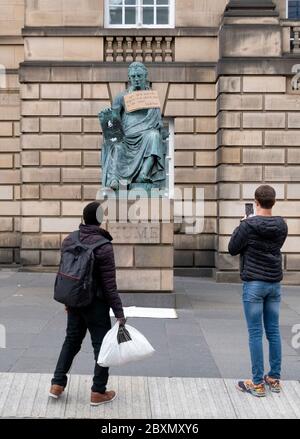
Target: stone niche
x,y
143,239
250,29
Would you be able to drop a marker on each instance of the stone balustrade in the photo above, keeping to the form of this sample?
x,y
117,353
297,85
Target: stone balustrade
x,y
295,39
139,48
291,36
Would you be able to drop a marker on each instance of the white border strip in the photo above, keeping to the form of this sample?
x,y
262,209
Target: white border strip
x,y
150,313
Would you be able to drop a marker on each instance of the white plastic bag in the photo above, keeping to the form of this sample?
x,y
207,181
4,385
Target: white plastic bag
x,y
114,354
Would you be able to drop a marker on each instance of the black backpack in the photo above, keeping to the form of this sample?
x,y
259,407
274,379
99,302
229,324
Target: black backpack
x,y
74,286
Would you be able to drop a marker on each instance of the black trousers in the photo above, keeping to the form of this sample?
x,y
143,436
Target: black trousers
x,y
96,319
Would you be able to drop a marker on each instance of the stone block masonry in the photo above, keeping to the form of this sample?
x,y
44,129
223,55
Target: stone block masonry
x,y
256,147
236,125
230,141
61,146
10,172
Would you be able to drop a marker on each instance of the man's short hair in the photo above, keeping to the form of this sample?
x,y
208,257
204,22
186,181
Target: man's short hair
x,y
266,196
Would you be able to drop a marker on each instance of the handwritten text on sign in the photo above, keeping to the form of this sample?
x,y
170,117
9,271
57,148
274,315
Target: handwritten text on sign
x,y
139,100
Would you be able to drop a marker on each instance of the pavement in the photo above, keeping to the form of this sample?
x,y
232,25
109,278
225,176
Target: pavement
x,y
144,398
207,342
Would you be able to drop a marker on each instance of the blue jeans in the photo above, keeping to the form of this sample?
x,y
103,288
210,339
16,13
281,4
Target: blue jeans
x,y
262,303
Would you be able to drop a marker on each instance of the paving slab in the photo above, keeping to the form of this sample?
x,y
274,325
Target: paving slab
x,y
26,396
208,340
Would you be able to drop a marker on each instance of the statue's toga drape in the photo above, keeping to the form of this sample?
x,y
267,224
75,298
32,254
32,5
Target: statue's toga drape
x,y
142,139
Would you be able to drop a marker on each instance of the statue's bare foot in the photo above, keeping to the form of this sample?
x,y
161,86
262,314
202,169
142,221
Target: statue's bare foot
x,y
114,185
143,178
146,179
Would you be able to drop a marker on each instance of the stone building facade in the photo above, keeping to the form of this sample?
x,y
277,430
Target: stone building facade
x,y
224,71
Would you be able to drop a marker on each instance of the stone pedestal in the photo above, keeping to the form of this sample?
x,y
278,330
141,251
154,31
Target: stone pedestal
x,y
143,239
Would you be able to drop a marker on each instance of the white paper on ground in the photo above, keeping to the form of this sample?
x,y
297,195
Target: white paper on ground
x,y
150,313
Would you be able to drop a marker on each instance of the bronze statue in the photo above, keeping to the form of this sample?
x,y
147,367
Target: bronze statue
x,y
135,143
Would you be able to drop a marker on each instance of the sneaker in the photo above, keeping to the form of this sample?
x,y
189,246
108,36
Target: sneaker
x,y
55,391
102,398
274,384
249,387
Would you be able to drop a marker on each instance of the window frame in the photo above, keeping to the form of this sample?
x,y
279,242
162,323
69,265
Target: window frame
x,y
139,24
287,12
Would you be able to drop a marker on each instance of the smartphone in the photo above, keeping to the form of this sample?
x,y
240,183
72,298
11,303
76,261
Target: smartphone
x,y
249,209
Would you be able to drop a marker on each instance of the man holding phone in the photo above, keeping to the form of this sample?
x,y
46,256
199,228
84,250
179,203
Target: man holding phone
x,y
258,240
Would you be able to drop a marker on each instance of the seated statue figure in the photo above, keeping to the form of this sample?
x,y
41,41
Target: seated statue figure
x,y
135,151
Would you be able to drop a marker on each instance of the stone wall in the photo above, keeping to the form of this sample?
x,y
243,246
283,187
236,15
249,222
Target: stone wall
x,y
224,82
281,6
61,144
259,131
11,55
11,17
193,107
64,13
259,142
199,13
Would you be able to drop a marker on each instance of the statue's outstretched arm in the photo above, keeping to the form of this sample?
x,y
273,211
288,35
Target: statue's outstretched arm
x,y
118,106
104,114
165,134
163,130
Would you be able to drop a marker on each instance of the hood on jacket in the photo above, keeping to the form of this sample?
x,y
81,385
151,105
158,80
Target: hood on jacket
x,y
90,229
269,227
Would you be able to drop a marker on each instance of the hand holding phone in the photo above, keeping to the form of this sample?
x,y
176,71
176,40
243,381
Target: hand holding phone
x,y
249,210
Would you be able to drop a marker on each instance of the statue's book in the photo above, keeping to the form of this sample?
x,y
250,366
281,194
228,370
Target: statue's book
x,y
111,127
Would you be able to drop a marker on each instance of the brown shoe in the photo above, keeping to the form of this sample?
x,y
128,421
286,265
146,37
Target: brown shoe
x,y
102,398
274,384
55,391
249,387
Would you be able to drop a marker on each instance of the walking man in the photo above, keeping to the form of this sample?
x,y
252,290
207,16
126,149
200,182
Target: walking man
x,y
94,317
259,240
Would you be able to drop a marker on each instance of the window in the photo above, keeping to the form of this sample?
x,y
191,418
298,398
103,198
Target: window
x,y
293,9
139,13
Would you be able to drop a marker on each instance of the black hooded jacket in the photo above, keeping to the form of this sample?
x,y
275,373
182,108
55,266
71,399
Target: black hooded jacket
x,y
259,240
105,268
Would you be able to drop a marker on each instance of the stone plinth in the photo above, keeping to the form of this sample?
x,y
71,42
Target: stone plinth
x,y
143,239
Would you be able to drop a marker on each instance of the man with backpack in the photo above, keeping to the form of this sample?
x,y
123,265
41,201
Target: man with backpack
x,y
259,240
86,284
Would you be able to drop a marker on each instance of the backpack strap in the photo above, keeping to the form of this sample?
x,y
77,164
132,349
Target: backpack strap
x,y
99,243
75,236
